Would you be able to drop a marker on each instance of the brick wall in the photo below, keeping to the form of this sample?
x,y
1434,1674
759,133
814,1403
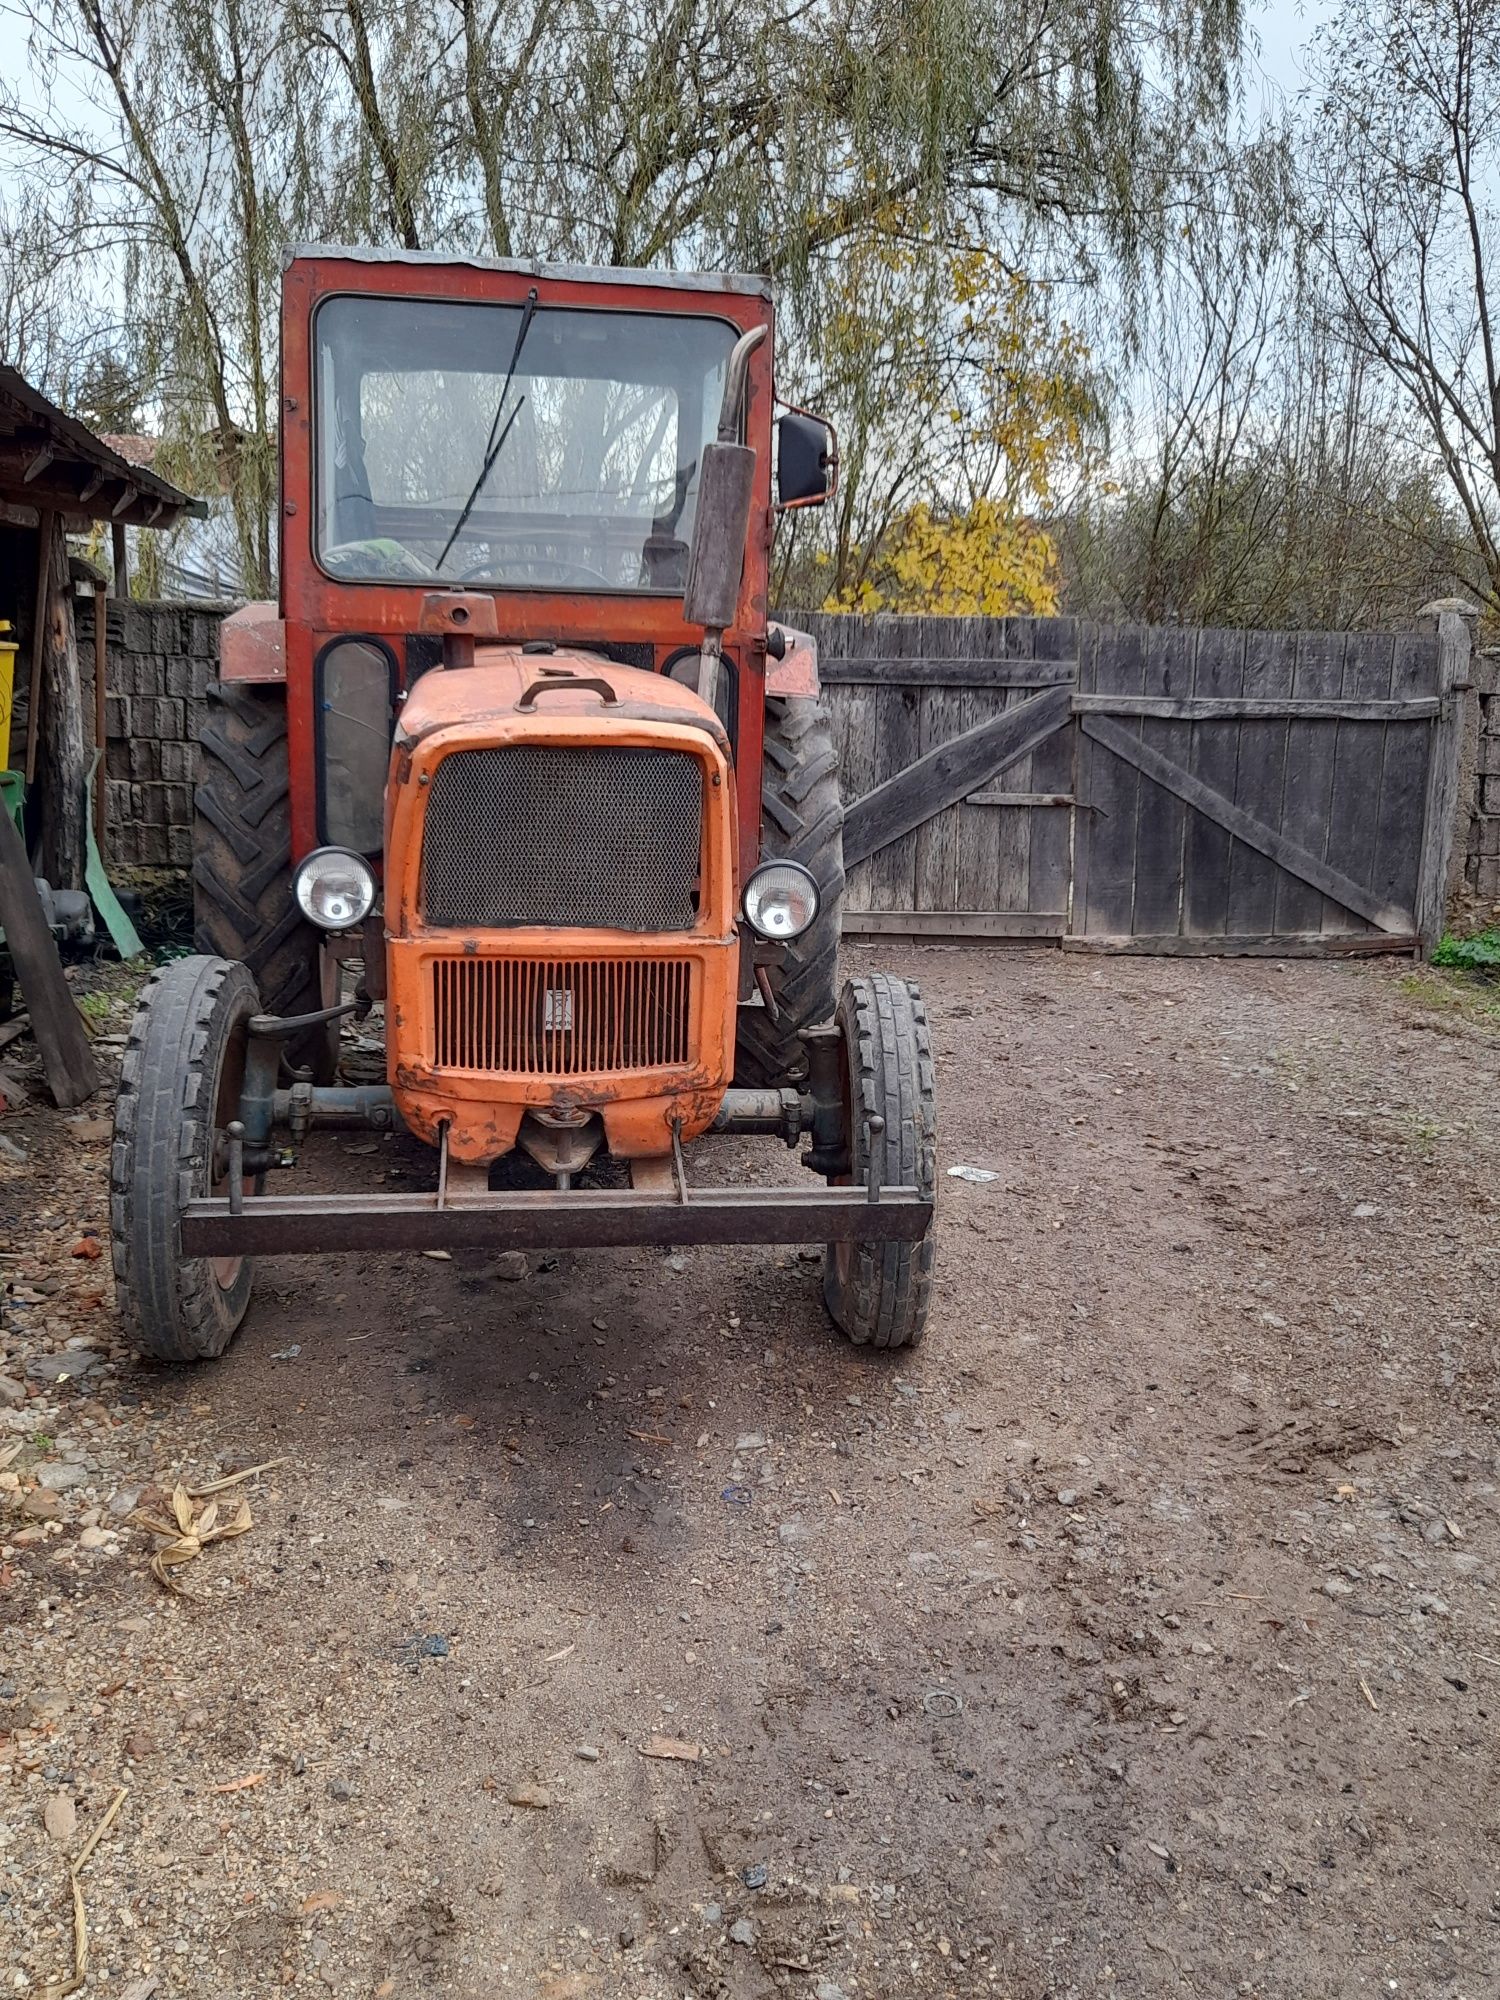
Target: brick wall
x,y
1482,847
161,659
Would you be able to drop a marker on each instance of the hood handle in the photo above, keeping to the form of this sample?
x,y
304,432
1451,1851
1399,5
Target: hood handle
x,y
557,683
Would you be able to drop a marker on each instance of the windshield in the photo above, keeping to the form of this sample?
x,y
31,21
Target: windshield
x,y
582,475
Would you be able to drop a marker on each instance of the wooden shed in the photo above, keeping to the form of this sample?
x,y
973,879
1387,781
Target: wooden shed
x,y
57,478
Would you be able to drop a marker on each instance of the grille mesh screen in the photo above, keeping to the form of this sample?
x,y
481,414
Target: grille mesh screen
x,y
561,1017
598,838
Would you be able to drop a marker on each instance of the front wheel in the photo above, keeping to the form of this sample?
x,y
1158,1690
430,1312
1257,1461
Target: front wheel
x,y
878,1293
180,1088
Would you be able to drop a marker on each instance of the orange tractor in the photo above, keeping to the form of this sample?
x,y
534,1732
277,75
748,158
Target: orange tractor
x,y
520,760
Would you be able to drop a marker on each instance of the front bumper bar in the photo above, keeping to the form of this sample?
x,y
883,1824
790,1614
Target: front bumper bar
x,y
579,1219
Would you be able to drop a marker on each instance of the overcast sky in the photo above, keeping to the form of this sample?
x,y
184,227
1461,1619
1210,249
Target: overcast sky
x,y
1282,28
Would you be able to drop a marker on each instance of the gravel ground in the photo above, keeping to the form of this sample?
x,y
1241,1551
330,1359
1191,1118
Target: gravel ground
x,y
1137,1635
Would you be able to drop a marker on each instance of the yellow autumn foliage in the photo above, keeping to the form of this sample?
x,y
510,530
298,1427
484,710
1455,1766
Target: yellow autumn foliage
x,y
985,562
1031,408
998,388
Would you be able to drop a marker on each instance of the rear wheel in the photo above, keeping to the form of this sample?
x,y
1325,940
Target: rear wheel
x,y
243,907
878,1293
179,1090
802,819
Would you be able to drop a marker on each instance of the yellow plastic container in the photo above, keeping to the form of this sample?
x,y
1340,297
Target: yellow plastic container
x,y
7,688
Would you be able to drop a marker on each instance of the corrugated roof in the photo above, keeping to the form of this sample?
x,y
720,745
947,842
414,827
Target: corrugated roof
x,y
49,459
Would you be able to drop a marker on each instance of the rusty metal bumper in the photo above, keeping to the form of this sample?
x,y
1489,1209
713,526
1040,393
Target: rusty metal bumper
x,y
584,1219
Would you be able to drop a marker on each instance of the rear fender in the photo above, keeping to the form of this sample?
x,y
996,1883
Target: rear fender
x,y
252,645
796,672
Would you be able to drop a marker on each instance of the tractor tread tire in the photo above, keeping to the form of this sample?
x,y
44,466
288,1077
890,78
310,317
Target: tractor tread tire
x,y
881,1297
802,819
243,906
162,1156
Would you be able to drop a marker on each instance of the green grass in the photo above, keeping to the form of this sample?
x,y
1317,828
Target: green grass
x,y
1480,953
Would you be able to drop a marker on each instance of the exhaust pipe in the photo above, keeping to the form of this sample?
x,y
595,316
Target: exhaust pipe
x,y
726,484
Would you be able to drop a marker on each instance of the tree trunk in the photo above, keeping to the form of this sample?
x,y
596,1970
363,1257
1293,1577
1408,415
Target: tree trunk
x,y
62,768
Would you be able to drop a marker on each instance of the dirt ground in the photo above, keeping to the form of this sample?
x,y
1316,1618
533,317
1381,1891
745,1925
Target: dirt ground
x,y
1137,1635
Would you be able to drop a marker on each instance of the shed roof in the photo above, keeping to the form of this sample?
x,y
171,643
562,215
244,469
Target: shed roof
x,y
49,459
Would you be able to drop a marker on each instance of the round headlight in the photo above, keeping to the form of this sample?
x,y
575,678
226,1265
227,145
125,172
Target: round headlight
x,y
781,900
334,888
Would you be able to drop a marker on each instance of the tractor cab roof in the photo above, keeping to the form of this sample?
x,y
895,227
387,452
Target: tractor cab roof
x,y
746,284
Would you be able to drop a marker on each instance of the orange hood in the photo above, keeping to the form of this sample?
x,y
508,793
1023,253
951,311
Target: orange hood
x,y
564,684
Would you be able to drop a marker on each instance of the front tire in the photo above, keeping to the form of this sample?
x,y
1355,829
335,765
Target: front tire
x,y
879,1293
179,1089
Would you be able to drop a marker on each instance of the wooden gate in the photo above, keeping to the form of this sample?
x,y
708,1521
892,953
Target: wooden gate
x,y
1145,788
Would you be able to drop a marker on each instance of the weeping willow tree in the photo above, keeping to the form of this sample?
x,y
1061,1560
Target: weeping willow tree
x,y
180,149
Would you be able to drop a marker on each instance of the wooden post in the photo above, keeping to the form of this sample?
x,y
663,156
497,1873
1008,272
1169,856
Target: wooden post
x,y
101,815
121,585
55,1020
38,632
1441,810
63,762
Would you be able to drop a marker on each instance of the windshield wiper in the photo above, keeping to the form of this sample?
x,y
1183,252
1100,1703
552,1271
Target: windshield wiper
x,y
494,444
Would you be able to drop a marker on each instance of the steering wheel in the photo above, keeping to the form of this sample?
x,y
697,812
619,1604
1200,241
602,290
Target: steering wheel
x,y
581,572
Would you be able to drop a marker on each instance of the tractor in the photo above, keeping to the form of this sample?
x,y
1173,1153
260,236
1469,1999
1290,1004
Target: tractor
x,y
520,760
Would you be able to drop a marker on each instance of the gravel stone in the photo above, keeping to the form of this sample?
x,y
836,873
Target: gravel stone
x,y
63,1477
69,1366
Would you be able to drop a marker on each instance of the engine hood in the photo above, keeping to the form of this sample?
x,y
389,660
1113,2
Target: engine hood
x,y
505,683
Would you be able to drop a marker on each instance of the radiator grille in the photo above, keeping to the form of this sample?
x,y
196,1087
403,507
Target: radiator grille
x,y
594,839
561,1017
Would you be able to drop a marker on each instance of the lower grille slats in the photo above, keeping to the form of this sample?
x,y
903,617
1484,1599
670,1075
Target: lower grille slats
x,y
554,1017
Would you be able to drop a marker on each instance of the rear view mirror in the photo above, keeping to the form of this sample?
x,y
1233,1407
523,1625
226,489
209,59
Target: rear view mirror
x,y
806,460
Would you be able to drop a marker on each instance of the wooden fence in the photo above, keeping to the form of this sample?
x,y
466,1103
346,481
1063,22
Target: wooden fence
x,y
1146,788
